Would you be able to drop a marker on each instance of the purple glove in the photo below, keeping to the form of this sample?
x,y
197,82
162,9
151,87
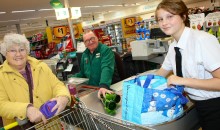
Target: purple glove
x,y
47,107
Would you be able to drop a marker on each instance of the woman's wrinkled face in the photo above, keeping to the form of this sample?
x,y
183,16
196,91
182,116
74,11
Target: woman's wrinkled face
x,y
17,56
169,23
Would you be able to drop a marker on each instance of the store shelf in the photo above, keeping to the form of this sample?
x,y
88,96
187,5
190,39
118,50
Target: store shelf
x,y
115,32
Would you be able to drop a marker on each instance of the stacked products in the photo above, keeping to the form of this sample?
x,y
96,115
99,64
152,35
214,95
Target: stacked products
x,y
142,32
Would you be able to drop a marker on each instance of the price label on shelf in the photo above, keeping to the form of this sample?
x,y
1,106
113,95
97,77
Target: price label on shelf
x,y
197,21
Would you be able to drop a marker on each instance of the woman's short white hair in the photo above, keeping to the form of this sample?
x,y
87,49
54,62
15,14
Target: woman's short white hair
x,y
11,39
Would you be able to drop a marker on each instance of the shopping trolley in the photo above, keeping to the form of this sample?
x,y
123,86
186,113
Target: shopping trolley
x,y
81,118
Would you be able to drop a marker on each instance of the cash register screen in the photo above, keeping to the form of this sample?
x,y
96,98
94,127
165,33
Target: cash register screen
x,y
157,33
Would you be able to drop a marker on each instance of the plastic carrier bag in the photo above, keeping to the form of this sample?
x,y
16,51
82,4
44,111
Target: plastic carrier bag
x,y
147,100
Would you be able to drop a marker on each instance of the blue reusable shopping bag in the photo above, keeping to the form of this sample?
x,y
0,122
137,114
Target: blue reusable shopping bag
x,y
147,100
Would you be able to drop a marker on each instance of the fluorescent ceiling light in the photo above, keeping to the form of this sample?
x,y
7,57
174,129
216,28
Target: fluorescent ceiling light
x,y
124,5
97,12
22,11
50,17
31,27
31,18
86,13
135,4
45,9
110,11
9,21
110,5
92,6
4,26
2,12
7,31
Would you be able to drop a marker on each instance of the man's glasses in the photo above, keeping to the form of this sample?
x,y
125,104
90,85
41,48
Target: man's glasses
x,y
14,51
92,39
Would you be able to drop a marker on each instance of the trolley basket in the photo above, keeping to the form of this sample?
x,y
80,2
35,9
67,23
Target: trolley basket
x,y
81,118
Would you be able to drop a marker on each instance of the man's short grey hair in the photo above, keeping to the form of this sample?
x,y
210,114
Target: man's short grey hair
x,y
11,39
87,31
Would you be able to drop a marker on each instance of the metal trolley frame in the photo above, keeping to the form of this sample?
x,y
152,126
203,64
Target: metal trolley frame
x,y
81,118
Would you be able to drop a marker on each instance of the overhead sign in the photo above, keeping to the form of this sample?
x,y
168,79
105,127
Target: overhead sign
x,y
62,13
129,22
56,4
76,12
128,27
60,31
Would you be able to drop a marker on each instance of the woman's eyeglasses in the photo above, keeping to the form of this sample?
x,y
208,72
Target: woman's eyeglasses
x,y
92,39
14,51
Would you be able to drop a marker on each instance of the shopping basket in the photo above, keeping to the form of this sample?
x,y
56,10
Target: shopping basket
x,y
81,118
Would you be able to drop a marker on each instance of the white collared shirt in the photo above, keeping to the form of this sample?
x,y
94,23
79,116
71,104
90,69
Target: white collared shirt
x,y
200,56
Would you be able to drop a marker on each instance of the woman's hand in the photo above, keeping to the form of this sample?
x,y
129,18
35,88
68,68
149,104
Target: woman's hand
x,y
61,104
174,80
103,91
34,115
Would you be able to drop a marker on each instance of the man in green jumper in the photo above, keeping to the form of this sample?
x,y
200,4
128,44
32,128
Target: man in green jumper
x,y
97,63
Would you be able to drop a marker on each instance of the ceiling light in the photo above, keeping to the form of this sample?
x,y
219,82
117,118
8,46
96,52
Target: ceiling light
x,y
31,18
86,13
3,26
110,11
97,12
45,9
2,12
22,11
50,17
135,4
92,6
9,21
110,5
124,5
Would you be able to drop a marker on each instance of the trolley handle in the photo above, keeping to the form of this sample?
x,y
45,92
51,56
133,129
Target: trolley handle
x,y
18,122
14,124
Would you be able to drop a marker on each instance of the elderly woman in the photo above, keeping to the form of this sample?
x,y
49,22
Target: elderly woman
x,y
26,83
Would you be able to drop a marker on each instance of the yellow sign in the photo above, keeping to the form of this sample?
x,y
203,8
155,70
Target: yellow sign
x,y
128,26
60,31
77,29
129,22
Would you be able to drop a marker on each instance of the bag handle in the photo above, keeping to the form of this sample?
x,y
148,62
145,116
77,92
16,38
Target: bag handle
x,y
178,92
147,81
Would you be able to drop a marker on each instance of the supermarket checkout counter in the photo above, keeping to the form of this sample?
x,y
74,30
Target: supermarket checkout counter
x,y
149,50
188,121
